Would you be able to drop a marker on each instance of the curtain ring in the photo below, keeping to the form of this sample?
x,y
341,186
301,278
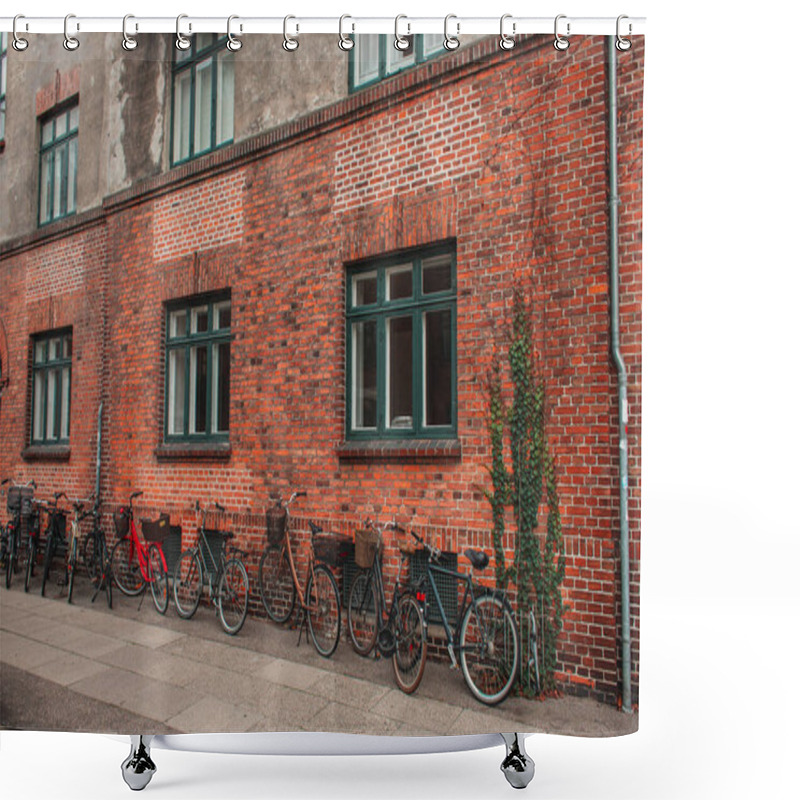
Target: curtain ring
x,y
19,44
401,42
128,41
451,42
622,43
507,42
70,42
181,42
290,43
345,42
561,42
233,44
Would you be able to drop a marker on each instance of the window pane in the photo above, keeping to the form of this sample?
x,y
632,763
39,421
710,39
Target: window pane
x,y
61,124
73,119
47,132
45,186
203,40
53,349
40,352
2,118
222,315
225,98
198,389
398,59
398,282
177,324
177,392
50,416
59,176
365,374
436,274
181,110
66,348
200,319
65,379
432,42
38,403
72,178
365,289
202,106
399,371
221,383
437,373
366,58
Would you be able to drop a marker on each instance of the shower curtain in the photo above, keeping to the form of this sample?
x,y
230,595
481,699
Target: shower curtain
x,y
399,287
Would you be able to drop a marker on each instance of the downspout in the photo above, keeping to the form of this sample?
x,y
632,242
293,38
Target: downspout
x,y
97,466
622,377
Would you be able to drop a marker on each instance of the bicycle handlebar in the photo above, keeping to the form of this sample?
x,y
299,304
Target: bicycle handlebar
x,y
434,552
135,494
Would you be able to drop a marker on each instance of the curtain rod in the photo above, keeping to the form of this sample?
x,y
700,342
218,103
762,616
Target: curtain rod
x,y
511,25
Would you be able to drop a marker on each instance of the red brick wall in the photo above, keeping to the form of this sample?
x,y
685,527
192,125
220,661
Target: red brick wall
x,y
508,160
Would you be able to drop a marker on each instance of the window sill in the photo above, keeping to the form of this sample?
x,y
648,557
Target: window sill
x,y
46,452
188,451
400,449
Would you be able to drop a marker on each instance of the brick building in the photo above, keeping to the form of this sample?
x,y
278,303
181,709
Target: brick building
x,y
288,271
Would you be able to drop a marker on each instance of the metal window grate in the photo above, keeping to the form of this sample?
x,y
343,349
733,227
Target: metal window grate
x,y
214,539
446,585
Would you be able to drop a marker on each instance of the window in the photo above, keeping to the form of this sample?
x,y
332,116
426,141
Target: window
x,y
58,165
198,369
374,56
3,79
401,351
202,97
52,374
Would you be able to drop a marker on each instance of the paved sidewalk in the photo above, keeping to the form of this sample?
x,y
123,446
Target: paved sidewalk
x,y
188,676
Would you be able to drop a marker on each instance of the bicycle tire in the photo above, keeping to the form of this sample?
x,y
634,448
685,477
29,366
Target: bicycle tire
x,y
91,557
29,564
232,596
11,557
104,580
276,585
363,609
125,568
48,560
72,563
487,632
411,644
159,579
323,610
187,584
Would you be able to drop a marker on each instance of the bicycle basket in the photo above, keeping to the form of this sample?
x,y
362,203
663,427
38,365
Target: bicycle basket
x,y
367,543
154,530
276,524
332,548
122,523
20,498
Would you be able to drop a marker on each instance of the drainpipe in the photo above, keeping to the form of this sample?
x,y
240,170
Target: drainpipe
x,y
97,466
622,377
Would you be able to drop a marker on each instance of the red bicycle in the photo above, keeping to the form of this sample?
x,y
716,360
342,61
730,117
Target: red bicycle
x,y
134,563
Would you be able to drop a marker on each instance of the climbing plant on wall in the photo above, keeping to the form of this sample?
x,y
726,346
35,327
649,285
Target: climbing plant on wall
x,y
517,433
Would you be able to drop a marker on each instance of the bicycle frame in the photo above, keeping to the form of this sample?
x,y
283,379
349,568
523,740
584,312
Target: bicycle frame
x,y
142,554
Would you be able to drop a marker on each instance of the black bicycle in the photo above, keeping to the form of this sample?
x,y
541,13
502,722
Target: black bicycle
x,y
55,544
485,637
14,543
398,630
97,558
226,576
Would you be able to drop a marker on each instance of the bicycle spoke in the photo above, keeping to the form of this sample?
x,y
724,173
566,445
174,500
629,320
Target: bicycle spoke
x,y
323,610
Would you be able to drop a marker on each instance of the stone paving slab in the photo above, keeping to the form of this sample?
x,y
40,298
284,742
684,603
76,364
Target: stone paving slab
x,y
160,701
349,691
68,668
217,655
112,685
152,663
417,711
288,673
346,719
285,709
210,715
26,653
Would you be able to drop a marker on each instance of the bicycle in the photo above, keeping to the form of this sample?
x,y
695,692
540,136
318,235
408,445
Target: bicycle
x,y
487,636
398,630
228,584
55,538
20,507
134,565
279,585
97,558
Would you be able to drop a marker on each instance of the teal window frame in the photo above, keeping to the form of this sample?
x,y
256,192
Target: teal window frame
x,y
51,387
385,69
204,46
381,312
178,356
52,147
3,83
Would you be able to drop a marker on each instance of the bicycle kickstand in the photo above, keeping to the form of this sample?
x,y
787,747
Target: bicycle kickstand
x,y
303,626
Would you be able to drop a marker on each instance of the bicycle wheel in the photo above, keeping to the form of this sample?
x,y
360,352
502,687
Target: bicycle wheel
x,y
159,581
125,568
92,557
275,584
232,593
187,584
489,648
323,610
104,560
411,650
49,552
30,562
11,557
362,613
72,563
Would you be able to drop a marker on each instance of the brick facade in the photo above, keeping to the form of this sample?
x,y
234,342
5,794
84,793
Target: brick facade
x,y
502,154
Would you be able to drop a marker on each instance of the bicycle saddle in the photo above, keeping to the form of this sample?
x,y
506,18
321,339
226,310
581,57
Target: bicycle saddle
x,y
477,558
